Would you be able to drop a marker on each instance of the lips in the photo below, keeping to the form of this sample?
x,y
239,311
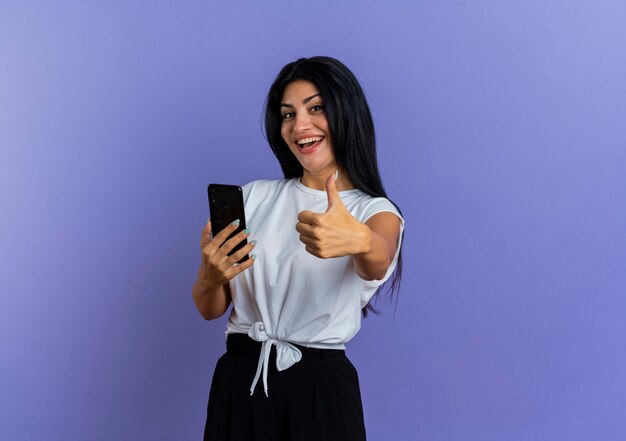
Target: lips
x,y
309,144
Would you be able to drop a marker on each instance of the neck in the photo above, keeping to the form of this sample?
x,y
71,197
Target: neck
x,y
317,180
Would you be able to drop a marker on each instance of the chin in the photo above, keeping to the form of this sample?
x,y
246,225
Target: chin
x,y
315,169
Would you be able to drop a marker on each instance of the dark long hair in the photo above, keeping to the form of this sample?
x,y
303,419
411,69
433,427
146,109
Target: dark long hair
x,y
351,130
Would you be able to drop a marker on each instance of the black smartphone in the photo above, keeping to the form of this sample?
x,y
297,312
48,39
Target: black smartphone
x,y
226,205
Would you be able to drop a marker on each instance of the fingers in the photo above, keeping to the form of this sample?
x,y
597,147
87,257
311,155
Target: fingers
x,y
206,235
217,268
234,270
308,241
223,235
231,243
237,256
219,238
316,252
309,217
219,252
305,229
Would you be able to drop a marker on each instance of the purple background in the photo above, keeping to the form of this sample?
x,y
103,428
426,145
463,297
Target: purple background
x,y
502,136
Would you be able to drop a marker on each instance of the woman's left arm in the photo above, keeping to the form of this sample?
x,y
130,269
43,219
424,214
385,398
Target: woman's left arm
x,y
337,233
381,234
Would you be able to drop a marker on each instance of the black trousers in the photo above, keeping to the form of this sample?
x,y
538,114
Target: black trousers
x,y
316,399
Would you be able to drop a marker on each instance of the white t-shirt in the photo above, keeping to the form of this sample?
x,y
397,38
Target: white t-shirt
x,y
288,295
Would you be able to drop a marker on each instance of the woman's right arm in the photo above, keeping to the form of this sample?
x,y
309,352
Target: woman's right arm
x,y
211,292
211,303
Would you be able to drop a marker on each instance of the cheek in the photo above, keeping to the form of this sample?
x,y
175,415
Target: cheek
x,y
284,131
329,141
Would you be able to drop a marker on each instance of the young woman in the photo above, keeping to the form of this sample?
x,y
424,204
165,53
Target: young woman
x,y
325,239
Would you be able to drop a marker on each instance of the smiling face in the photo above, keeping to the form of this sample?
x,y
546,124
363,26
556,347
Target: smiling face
x,y
305,129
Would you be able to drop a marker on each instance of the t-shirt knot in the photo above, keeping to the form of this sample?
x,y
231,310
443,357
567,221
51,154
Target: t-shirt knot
x,y
286,354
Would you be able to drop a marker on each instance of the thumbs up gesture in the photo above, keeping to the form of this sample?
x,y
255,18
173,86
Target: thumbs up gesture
x,y
335,232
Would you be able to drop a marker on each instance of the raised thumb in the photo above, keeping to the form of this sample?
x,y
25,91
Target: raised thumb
x,y
331,191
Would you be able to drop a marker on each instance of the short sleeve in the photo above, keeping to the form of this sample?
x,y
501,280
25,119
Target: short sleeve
x,y
246,189
379,205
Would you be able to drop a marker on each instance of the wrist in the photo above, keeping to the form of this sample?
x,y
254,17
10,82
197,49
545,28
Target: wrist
x,y
364,240
205,287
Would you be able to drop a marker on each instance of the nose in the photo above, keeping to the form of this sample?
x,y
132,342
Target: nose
x,y
302,122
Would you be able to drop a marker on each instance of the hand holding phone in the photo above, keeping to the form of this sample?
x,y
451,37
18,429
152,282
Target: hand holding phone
x,y
224,245
217,268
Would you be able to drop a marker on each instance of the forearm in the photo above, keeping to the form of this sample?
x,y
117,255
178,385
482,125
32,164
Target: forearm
x,y
374,256
212,303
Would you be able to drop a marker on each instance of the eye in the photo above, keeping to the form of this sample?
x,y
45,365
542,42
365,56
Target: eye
x,y
317,108
288,115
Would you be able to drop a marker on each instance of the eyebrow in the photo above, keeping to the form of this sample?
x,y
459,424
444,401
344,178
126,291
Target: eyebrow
x,y
306,100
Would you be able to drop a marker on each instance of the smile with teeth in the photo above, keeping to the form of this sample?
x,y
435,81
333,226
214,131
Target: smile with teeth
x,y
307,143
